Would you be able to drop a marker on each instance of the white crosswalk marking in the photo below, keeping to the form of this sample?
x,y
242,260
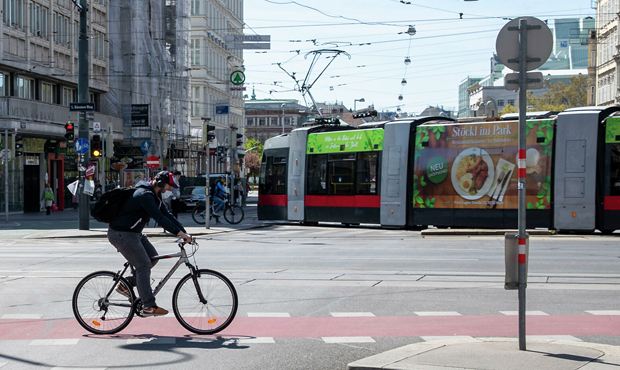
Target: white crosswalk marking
x,y
269,314
448,338
55,342
20,316
152,341
77,368
604,312
527,313
352,314
334,340
3,364
554,337
437,313
257,340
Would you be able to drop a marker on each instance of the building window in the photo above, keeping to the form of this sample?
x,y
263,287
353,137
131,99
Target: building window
x,y
47,92
262,121
511,102
38,20
249,121
67,96
274,121
500,103
195,101
195,49
99,47
62,33
13,13
24,87
197,7
3,84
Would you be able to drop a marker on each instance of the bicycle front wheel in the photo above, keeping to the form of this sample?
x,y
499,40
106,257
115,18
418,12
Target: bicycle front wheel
x,y
199,216
98,305
205,303
233,214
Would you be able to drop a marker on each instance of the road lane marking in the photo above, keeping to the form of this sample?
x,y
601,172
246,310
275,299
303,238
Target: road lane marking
x,y
155,340
257,340
352,314
55,342
437,313
269,314
21,316
527,313
335,340
459,338
3,364
554,337
604,312
78,368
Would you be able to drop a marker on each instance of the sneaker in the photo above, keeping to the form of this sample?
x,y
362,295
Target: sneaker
x,y
154,311
122,290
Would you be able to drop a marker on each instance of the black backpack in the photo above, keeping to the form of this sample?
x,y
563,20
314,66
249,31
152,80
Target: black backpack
x,y
110,204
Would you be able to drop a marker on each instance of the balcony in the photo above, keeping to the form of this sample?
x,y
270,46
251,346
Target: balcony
x,y
35,117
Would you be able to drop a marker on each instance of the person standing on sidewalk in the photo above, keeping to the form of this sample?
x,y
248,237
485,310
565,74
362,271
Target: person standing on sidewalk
x,y
125,234
175,201
48,198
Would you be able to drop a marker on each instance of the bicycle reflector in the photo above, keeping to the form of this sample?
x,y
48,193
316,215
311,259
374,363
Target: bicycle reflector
x,y
96,323
211,321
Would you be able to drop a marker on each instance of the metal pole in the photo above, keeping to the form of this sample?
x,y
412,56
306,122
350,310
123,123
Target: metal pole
x,y
522,235
6,174
83,62
205,129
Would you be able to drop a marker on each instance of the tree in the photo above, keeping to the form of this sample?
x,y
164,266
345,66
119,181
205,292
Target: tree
x,y
253,155
561,96
509,108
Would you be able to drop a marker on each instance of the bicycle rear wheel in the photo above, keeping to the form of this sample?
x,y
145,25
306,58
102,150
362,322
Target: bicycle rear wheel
x,y
213,314
199,216
233,214
99,307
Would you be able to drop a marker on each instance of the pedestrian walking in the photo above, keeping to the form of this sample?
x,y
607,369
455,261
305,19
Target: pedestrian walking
x,y
48,198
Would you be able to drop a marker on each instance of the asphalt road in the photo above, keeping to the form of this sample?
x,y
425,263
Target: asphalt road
x,y
311,297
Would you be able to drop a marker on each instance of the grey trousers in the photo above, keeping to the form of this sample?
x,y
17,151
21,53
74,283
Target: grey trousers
x,y
138,251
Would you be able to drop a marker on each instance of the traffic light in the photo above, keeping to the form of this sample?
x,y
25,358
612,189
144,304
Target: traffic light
x,y
210,133
96,149
239,140
19,146
69,131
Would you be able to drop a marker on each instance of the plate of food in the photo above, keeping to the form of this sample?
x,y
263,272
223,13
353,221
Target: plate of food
x,y
472,173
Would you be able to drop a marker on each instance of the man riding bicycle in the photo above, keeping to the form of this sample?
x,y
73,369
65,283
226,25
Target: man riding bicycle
x,y
219,198
125,234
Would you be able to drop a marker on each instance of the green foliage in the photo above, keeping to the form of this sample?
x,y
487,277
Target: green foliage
x,y
508,109
419,201
561,96
254,144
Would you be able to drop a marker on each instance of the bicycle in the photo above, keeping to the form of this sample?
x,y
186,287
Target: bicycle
x,y
233,214
204,301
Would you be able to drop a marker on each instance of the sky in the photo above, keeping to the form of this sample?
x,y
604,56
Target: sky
x,y
444,50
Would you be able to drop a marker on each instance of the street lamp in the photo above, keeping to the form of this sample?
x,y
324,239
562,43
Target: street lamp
x,y
361,100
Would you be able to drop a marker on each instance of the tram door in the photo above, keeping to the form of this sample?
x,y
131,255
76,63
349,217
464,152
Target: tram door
x,y
32,188
609,217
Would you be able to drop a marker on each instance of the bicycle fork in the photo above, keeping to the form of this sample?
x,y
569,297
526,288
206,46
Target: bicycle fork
x,y
195,276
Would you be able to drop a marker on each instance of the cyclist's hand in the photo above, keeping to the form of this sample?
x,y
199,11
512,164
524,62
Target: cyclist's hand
x,y
186,237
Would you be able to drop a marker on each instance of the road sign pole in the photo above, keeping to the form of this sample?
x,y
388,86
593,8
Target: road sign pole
x,y
522,236
83,62
6,176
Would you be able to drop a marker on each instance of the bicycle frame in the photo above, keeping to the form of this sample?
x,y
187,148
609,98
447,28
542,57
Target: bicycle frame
x,y
183,259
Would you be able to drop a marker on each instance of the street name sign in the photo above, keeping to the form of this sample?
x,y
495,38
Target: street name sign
x,y
81,107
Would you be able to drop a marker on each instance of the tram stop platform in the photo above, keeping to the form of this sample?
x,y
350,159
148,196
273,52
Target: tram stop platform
x,y
495,353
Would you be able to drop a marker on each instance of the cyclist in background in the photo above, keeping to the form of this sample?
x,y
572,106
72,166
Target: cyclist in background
x,y
219,198
125,234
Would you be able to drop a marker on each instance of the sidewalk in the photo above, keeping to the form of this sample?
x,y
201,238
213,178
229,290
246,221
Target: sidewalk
x,y
65,225
495,353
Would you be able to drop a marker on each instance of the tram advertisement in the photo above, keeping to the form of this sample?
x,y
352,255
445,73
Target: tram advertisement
x,y
474,165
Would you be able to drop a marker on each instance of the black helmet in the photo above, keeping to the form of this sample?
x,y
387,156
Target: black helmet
x,y
165,178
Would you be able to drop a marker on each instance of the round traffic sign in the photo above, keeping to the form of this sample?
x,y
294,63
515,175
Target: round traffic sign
x,y
539,43
237,78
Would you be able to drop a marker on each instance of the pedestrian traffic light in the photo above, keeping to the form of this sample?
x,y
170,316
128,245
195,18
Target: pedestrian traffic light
x,y
69,131
239,140
96,150
19,145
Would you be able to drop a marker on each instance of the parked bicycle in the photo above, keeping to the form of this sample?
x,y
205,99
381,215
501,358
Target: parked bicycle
x,y
233,214
204,301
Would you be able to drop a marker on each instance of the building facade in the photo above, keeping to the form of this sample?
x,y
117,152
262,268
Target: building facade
x,y
38,81
215,53
607,52
266,118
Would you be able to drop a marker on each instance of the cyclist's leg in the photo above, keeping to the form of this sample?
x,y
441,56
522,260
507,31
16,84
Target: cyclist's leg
x,y
130,245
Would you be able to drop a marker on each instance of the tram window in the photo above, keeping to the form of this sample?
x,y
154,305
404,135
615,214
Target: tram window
x,y
341,174
367,173
614,170
274,174
317,174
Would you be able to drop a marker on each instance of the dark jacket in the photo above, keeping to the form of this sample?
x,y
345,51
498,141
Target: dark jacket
x,y
139,209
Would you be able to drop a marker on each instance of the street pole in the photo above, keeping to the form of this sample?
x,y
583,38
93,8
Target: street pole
x,y
522,235
83,63
5,160
205,142
282,106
